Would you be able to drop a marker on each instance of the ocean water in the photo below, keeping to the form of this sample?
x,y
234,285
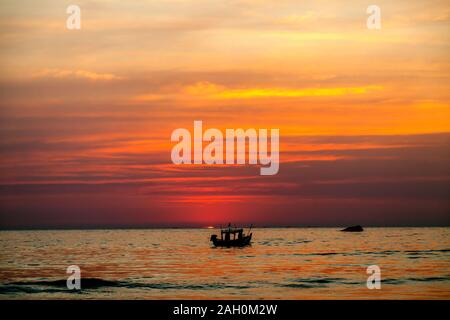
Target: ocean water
x,y
281,263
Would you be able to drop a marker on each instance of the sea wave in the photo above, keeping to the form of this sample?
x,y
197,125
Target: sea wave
x,y
57,286
88,284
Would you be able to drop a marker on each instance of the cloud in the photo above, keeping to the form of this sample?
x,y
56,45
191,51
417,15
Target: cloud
x,y
296,19
83,74
382,177
211,90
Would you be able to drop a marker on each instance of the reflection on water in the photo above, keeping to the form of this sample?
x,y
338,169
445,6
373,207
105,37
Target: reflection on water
x,y
291,263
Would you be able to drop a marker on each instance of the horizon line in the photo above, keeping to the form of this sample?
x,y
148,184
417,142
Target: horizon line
x,y
211,227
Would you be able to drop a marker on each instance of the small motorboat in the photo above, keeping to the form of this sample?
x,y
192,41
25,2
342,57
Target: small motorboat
x,y
232,237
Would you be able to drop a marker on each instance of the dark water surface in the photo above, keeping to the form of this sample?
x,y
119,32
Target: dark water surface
x,y
282,263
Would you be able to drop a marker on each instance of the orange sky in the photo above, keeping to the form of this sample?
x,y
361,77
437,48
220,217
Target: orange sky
x,y
86,115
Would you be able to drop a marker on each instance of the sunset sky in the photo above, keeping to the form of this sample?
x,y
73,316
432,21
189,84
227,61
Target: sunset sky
x,y
86,115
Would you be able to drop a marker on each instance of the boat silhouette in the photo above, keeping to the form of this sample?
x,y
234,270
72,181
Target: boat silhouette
x,y
232,237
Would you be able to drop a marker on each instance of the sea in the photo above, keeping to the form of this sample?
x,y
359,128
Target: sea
x,y
281,263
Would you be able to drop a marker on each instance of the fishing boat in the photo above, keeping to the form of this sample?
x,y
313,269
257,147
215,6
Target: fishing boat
x,y
232,237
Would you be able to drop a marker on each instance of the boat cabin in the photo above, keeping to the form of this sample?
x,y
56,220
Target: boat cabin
x,y
227,234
